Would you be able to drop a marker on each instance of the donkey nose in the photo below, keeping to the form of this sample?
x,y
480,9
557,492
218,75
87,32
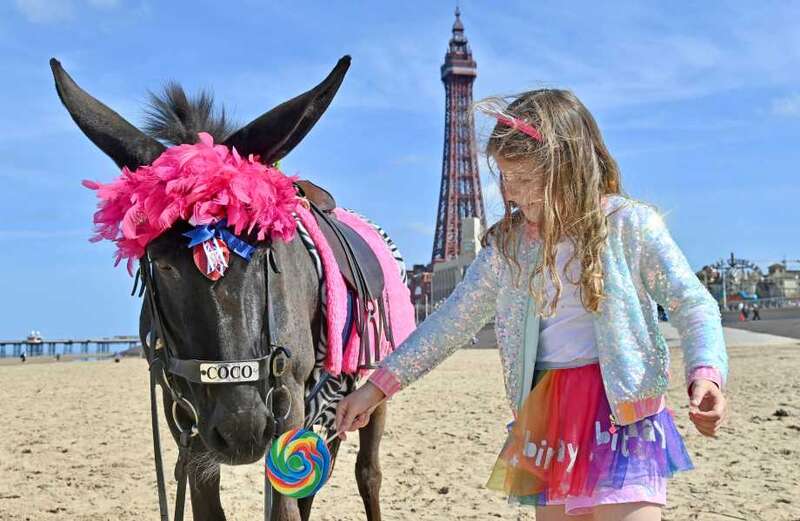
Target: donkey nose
x,y
238,422
243,430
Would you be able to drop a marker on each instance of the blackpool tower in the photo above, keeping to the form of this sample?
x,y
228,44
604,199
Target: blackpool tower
x,y
460,193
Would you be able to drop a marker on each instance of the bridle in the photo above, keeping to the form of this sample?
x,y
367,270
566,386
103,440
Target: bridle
x,y
165,366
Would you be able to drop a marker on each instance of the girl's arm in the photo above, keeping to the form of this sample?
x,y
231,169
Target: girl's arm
x,y
461,316
671,282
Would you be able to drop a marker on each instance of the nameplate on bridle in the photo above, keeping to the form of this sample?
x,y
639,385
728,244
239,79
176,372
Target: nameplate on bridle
x,y
222,372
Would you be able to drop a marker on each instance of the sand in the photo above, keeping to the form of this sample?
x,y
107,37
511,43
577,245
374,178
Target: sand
x,y
76,446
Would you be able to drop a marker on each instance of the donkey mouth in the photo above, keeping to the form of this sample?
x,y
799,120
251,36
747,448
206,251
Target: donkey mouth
x,y
238,452
242,457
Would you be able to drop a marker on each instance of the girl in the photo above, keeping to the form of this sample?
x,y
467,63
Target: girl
x,y
573,274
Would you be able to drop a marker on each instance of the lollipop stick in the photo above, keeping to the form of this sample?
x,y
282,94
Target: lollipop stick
x,y
331,437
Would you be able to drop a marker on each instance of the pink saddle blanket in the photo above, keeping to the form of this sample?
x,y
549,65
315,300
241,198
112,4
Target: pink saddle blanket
x,y
396,296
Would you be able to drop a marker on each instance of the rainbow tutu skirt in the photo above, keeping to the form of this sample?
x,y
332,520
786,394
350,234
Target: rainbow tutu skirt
x,y
564,445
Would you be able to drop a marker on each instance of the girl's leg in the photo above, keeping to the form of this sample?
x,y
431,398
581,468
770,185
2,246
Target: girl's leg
x,y
556,513
627,512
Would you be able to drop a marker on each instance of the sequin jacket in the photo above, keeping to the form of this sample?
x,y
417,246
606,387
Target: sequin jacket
x,y
642,266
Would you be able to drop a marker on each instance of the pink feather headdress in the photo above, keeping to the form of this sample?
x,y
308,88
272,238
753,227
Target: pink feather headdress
x,y
202,184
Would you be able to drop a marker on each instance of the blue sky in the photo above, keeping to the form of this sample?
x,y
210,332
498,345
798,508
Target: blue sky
x,y
699,102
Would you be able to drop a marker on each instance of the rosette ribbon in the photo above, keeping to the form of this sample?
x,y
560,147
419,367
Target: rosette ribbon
x,y
205,232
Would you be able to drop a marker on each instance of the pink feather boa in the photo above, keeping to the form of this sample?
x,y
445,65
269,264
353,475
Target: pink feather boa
x,y
200,183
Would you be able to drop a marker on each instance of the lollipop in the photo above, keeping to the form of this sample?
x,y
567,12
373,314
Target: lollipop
x,y
298,464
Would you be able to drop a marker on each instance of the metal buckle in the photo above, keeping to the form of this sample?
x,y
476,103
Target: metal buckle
x,y
279,360
279,365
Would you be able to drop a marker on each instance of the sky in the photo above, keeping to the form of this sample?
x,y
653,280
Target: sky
x,y
699,102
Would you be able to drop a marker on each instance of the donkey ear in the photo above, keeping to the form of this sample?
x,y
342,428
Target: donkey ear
x,y
275,133
124,143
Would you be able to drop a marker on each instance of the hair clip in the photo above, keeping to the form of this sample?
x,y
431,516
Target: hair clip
x,y
520,125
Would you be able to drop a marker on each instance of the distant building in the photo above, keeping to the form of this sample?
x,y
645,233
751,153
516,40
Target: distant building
x,y
447,274
786,282
419,283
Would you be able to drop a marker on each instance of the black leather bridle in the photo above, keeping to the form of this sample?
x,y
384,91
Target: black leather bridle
x,y
165,366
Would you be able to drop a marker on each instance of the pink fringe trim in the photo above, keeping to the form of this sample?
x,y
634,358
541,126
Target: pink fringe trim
x,y
396,295
335,292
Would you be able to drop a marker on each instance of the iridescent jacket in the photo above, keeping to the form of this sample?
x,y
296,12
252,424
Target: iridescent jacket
x,y
642,266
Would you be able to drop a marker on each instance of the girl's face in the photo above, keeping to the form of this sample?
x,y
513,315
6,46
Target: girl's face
x,y
523,186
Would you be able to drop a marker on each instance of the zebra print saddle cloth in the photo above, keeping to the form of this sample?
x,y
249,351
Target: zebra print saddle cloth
x,y
335,373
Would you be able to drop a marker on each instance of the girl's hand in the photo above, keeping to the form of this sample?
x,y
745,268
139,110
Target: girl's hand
x,y
706,407
354,410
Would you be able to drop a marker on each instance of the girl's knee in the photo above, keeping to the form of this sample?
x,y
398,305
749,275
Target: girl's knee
x,y
557,513
628,512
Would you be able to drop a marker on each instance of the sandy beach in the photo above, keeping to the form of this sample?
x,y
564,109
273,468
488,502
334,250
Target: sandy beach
x,y
76,446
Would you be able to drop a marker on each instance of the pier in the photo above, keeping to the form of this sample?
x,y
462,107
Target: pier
x,y
68,346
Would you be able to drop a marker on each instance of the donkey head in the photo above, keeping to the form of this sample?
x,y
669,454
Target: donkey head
x,y
208,320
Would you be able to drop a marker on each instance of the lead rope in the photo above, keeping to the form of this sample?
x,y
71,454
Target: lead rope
x,y
279,361
151,361
180,475
268,492
156,359
162,493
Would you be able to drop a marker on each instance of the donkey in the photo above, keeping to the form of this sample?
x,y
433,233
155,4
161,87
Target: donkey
x,y
226,319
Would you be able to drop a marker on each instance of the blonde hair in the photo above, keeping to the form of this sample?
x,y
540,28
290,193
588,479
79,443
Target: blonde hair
x,y
577,172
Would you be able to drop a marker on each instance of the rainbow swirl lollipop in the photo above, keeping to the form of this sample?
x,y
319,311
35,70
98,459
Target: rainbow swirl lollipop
x,y
298,463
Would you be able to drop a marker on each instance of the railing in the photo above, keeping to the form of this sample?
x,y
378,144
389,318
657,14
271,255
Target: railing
x,y
772,302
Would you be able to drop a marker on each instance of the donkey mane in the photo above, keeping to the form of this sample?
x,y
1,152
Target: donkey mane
x,y
175,118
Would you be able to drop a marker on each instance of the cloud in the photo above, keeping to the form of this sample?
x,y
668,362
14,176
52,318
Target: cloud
x,y
374,82
641,56
52,11
104,4
421,228
46,11
412,159
786,106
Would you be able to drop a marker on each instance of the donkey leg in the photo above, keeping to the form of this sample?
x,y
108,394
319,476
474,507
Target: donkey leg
x,y
368,470
305,504
204,489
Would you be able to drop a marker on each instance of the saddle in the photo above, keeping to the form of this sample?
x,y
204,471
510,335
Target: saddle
x,y
359,267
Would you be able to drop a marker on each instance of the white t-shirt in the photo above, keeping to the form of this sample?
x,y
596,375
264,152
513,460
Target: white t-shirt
x,y
568,335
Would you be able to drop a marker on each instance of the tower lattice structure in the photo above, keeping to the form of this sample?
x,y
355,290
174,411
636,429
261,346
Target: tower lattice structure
x,y
460,193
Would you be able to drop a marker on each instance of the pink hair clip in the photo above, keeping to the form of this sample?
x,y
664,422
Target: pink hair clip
x,y
520,125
